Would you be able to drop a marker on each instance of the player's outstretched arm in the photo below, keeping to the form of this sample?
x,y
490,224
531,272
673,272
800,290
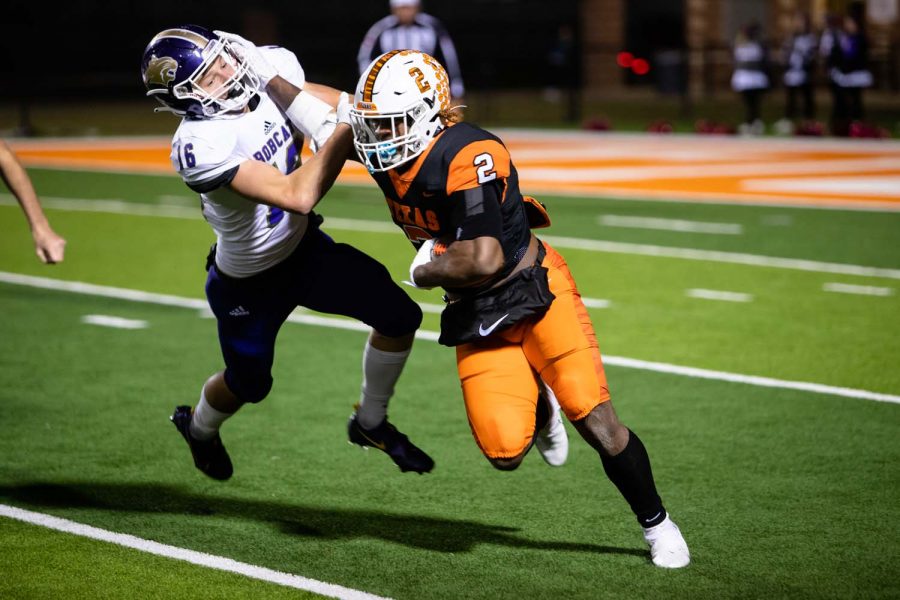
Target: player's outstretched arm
x,y
309,106
48,245
302,189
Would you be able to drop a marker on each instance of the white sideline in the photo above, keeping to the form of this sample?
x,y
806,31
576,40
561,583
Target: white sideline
x,y
185,212
737,258
198,558
679,225
816,388
308,319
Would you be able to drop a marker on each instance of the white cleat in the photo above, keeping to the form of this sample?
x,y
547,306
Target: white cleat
x,y
667,546
552,441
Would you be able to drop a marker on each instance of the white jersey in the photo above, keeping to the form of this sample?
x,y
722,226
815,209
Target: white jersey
x,y
251,237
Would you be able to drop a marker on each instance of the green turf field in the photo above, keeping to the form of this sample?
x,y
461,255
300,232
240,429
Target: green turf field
x,y
779,492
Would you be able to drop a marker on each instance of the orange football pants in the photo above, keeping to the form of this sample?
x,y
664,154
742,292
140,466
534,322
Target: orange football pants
x,y
500,375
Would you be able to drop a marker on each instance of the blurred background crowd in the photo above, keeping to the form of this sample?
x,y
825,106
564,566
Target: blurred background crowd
x,y
802,67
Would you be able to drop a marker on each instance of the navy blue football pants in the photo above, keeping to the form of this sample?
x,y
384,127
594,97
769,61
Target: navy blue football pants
x,y
320,274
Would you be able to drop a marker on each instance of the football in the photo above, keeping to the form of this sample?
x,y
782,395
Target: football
x,y
441,243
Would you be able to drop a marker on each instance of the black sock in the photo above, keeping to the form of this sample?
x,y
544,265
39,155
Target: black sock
x,y
630,471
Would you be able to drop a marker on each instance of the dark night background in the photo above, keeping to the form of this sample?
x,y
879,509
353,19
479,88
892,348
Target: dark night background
x,y
80,50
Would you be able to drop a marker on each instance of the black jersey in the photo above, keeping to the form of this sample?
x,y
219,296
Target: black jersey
x,y
465,186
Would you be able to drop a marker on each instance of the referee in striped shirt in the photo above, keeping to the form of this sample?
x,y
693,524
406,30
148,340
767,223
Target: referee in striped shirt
x,y
409,28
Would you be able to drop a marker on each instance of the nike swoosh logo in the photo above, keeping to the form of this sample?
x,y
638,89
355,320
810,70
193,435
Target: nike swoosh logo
x,y
379,445
654,517
485,332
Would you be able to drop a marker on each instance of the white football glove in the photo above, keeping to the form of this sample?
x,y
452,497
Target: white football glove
x,y
252,57
422,256
343,108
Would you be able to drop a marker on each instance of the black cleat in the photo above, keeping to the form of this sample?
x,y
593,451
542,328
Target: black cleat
x,y
209,455
386,438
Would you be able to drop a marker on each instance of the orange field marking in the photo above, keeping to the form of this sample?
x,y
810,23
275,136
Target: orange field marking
x,y
801,172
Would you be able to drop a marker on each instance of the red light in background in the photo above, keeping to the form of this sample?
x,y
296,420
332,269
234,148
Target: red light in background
x,y
625,59
640,66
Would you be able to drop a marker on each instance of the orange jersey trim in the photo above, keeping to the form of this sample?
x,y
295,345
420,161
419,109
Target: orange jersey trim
x,y
402,181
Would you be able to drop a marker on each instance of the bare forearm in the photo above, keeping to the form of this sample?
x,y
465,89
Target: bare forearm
x,y
18,182
328,95
313,180
282,91
464,264
48,245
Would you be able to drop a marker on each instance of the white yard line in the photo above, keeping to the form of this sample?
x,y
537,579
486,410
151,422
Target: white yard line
x,y
755,260
863,290
718,295
118,207
114,322
104,291
138,296
670,225
596,302
202,559
804,386
756,199
130,208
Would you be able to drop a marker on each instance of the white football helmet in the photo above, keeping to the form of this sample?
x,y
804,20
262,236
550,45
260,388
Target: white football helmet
x,y
397,108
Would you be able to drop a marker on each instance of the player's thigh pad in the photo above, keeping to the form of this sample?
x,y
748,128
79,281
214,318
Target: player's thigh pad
x,y
562,345
500,393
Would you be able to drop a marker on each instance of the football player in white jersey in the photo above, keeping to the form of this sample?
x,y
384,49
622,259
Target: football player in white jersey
x,y
241,152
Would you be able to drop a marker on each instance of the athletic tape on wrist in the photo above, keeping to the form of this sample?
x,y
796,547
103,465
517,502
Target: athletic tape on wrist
x,y
311,116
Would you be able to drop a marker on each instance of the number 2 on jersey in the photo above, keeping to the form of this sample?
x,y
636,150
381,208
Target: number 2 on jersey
x,y
484,164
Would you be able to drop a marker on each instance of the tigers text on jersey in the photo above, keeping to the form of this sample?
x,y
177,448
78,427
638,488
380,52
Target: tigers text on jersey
x,y
448,188
251,237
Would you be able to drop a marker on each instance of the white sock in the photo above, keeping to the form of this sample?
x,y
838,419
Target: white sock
x,y
207,420
381,370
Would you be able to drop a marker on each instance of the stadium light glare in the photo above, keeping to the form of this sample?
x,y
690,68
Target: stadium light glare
x,y
624,59
640,66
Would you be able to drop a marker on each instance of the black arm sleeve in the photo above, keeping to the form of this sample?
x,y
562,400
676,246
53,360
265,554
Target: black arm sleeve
x,y
476,212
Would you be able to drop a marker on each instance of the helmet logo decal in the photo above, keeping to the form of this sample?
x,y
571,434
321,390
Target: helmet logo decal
x,y
416,72
373,74
161,70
